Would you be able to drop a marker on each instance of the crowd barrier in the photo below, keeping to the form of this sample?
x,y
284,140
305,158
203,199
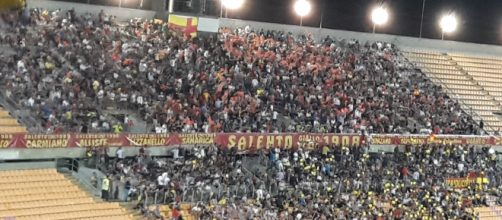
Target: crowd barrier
x,y
243,141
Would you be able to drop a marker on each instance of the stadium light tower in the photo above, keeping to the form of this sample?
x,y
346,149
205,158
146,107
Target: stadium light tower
x,y
379,16
302,8
448,24
230,4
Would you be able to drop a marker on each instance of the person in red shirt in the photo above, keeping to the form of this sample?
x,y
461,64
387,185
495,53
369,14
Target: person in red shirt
x,y
404,172
175,213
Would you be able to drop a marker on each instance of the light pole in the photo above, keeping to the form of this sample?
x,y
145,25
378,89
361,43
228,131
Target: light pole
x,y
221,9
171,6
322,13
379,16
448,24
302,8
422,19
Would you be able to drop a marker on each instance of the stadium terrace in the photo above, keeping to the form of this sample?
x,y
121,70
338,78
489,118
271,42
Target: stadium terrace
x,y
103,117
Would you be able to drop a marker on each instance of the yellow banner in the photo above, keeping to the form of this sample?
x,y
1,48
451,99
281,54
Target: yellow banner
x,y
460,183
10,4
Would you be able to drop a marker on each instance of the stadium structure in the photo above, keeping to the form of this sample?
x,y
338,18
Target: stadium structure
x,y
118,113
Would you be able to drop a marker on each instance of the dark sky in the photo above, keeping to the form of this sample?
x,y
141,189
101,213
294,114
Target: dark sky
x,y
480,21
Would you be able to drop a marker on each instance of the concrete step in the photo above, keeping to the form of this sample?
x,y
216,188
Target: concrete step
x,y
129,206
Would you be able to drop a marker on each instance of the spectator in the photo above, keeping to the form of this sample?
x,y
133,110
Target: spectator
x,y
240,80
120,154
105,188
94,180
323,183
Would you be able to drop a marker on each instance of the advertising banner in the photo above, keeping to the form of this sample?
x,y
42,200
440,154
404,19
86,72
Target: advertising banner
x,y
393,139
293,140
243,141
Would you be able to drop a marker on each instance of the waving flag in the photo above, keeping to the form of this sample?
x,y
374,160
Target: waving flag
x,y
11,4
184,24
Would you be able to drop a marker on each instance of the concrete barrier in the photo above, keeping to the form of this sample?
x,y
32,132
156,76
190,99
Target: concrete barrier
x,y
121,13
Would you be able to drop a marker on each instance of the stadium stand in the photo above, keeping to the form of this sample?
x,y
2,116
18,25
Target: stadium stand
x,y
472,79
8,124
239,80
411,183
489,213
167,212
68,69
46,194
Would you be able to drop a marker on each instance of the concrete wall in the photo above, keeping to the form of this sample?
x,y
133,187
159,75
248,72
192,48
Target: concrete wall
x,y
121,13
401,41
28,165
29,154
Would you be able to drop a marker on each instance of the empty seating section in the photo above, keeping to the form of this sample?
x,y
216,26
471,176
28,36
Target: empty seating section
x,y
8,124
474,81
489,213
46,194
487,73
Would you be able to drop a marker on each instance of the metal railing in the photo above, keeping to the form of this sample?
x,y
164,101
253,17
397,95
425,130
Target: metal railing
x,y
72,167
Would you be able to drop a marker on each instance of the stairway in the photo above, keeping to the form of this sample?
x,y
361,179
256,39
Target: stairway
x,y
95,194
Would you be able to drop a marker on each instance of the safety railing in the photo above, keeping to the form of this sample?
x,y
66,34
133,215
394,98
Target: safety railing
x,y
195,194
72,167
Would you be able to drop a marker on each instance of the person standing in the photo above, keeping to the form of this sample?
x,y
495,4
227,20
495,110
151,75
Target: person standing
x,y
105,188
94,180
120,154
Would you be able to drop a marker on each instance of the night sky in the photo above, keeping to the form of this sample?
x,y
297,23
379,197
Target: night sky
x,y
480,21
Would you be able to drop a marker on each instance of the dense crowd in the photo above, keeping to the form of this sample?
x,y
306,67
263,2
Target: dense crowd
x,y
69,68
331,182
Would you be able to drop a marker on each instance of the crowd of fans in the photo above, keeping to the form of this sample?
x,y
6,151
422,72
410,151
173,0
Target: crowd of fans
x,y
70,67
331,182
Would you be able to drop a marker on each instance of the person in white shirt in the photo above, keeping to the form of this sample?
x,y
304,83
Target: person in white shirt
x,y
120,154
163,179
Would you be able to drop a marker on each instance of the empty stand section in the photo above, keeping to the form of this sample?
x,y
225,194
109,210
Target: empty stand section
x,y
9,124
489,213
45,194
471,80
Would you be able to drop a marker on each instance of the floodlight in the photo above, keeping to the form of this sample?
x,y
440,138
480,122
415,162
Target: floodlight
x,y
302,7
379,16
448,23
232,4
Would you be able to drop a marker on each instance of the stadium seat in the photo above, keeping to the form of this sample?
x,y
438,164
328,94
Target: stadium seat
x,y
46,194
9,124
474,80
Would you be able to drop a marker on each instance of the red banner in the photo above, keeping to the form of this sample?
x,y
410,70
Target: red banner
x,y
435,139
243,141
257,141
